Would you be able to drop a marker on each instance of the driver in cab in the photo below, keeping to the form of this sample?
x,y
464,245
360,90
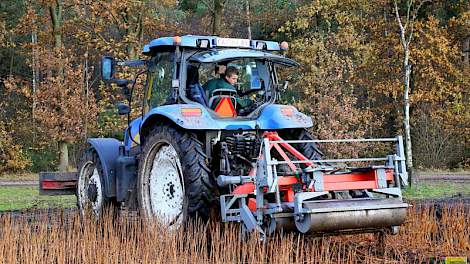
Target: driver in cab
x,y
227,81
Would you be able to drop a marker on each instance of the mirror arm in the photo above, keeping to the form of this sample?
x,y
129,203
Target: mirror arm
x,y
131,63
285,86
130,98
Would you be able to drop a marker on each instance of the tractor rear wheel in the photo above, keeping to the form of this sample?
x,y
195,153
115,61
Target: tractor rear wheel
x,y
90,185
173,182
309,149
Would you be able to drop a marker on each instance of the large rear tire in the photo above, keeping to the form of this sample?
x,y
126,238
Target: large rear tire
x,y
309,149
312,152
173,182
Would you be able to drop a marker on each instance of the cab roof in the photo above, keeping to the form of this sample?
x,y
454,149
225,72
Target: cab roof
x,y
207,42
211,56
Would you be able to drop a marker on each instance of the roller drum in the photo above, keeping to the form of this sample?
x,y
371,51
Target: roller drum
x,y
350,214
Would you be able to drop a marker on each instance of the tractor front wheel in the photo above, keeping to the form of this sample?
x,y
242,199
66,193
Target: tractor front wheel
x,y
173,181
90,185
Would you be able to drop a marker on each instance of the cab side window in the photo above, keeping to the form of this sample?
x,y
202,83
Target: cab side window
x,y
159,90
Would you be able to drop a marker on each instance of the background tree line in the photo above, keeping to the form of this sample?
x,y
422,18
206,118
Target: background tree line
x,y
350,81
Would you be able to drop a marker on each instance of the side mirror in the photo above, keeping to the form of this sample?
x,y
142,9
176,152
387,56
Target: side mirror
x,y
107,68
123,109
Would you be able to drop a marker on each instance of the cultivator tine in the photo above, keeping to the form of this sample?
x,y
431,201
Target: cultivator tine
x,y
249,220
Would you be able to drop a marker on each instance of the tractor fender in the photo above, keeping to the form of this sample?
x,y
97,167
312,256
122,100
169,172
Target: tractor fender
x,y
272,117
108,152
276,116
174,114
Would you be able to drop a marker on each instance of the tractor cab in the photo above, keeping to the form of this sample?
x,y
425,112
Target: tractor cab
x,y
191,70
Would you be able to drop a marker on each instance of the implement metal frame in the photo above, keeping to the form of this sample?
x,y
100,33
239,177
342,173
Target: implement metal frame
x,y
235,208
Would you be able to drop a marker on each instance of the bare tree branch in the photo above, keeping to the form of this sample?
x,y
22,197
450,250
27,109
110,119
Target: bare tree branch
x,y
409,4
116,20
211,8
415,15
402,29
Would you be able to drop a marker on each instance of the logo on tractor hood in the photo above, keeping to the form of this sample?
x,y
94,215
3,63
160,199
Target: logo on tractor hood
x,y
233,42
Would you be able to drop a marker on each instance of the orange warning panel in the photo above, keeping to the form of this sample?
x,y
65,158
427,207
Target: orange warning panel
x,y
225,108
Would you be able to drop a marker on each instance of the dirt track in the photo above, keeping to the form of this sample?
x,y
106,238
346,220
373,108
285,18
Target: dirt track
x,y
440,176
52,213
18,183
420,176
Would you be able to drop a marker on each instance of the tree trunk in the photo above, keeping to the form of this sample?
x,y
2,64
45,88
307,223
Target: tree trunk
x,y
406,121
217,16
134,32
406,35
466,51
87,89
131,51
56,19
12,59
386,22
248,18
55,10
64,156
34,41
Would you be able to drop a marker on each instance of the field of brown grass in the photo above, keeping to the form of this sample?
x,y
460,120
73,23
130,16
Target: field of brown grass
x,y
429,233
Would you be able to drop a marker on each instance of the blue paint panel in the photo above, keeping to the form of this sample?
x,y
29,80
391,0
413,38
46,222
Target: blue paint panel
x,y
108,151
134,129
191,41
164,41
271,118
173,112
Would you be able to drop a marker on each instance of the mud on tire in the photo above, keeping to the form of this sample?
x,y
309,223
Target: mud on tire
x,y
90,193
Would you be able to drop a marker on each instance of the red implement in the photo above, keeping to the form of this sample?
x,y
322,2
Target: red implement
x,y
331,182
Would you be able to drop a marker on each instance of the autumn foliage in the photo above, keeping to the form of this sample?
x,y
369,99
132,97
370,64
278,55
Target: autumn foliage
x,y
350,80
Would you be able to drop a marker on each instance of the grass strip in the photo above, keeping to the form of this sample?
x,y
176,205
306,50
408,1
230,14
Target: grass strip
x,y
27,197
438,189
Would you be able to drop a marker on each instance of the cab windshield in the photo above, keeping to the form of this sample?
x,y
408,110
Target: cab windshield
x,y
233,82
251,86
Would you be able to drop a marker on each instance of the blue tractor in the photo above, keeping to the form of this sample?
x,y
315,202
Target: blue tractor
x,y
198,147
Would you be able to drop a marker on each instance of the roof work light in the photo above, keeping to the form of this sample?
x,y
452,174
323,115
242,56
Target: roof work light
x,y
202,43
177,40
284,45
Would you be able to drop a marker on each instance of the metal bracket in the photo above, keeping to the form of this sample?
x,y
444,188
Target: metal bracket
x,y
381,178
304,196
389,191
267,163
401,162
261,178
228,213
318,183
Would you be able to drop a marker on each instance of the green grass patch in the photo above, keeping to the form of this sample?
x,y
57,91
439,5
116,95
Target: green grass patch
x,y
27,197
438,189
23,176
